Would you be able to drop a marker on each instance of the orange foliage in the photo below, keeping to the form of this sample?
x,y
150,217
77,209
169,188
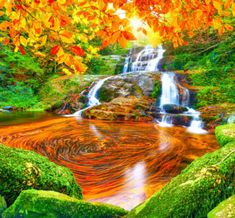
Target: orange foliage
x,y
67,26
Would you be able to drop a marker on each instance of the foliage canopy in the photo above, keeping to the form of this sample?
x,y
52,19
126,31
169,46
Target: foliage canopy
x,y
71,32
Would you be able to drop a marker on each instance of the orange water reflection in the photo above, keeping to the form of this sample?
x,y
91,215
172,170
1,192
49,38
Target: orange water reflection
x,y
121,163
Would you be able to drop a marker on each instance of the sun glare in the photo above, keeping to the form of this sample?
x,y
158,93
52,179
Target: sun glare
x,y
136,23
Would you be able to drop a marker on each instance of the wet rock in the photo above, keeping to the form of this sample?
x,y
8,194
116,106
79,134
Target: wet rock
x,y
122,108
8,108
21,170
174,109
40,203
137,85
214,115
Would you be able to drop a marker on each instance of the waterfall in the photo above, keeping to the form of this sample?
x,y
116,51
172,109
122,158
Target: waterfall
x,y
93,99
147,60
126,64
170,96
170,93
149,56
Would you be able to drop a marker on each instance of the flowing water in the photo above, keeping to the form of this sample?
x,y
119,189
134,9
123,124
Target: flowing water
x,y
121,163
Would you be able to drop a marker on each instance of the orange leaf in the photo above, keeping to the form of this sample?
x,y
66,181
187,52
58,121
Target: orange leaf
x,y
129,35
55,50
122,41
77,50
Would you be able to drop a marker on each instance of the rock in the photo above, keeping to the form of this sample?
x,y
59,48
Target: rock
x,y
4,111
174,109
231,119
137,85
214,115
21,169
129,108
39,203
8,108
196,191
225,134
3,205
226,209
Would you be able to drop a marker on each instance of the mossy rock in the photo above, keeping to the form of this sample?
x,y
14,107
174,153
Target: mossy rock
x,y
49,204
197,190
225,134
226,209
21,169
3,205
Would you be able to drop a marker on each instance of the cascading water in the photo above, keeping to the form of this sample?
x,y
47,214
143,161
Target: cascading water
x,y
170,96
148,59
92,96
170,93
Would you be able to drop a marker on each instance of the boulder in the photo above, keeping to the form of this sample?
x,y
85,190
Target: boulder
x,y
137,85
196,191
21,169
3,205
174,109
39,203
225,134
226,209
129,108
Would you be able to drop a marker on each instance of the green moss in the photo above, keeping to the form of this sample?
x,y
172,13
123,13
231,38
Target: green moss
x,y
197,190
21,169
3,205
156,89
48,204
226,209
225,134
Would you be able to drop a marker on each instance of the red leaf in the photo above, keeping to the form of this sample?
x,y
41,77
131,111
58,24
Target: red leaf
x,y
129,35
50,1
55,50
22,50
77,50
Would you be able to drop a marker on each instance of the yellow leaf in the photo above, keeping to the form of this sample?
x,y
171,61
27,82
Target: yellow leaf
x,y
217,23
43,40
233,9
153,37
23,41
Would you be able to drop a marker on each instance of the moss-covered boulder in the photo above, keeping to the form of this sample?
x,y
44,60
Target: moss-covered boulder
x,y
21,169
197,190
225,134
3,205
226,209
38,203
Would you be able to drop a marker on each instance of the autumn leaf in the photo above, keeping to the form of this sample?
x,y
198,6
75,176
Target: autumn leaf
x,y
55,50
77,51
122,41
22,51
128,35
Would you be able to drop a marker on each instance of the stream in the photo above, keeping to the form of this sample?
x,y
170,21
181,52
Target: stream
x,y
121,163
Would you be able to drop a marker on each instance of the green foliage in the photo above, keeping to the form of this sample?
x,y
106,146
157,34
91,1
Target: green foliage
x,y
19,96
21,170
50,204
198,189
103,65
225,134
3,205
215,59
156,89
226,209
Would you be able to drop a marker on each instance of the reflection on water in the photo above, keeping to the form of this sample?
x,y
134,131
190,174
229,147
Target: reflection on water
x,y
121,163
